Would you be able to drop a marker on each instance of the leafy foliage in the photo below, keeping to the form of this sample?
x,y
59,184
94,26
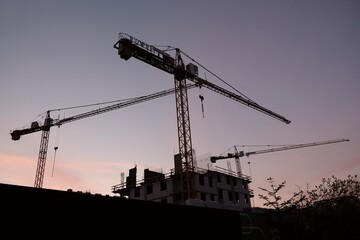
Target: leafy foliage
x,y
330,210
330,189
273,198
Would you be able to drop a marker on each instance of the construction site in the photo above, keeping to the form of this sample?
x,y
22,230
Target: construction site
x,y
214,187
188,196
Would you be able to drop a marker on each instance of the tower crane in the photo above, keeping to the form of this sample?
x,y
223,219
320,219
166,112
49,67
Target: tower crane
x,y
238,154
50,122
128,46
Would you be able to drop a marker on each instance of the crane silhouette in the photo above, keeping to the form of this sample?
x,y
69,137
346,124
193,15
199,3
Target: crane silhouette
x,y
237,154
128,46
50,122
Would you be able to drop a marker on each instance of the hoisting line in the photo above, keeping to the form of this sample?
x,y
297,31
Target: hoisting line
x,y
55,149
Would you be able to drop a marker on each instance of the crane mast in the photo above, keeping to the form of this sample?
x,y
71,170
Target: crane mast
x,y
49,122
129,46
237,162
40,169
183,126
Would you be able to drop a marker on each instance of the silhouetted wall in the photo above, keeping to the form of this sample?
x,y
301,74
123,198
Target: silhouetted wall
x,y
47,214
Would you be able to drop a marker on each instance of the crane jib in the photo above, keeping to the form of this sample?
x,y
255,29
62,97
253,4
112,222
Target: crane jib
x,y
238,98
129,46
49,122
213,159
36,127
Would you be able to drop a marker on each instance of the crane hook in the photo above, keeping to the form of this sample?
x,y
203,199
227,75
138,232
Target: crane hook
x,y
55,149
202,105
202,101
52,173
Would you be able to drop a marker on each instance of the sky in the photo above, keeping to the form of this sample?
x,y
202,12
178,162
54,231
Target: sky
x,y
300,59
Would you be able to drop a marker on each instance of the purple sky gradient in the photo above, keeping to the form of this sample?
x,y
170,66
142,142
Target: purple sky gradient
x,y
300,59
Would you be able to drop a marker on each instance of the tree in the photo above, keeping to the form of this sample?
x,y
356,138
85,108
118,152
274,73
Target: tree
x,y
330,189
273,198
334,190
330,210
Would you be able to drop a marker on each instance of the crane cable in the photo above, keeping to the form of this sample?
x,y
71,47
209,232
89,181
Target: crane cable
x,y
201,96
43,115
55,149
217,77
192,59
95,104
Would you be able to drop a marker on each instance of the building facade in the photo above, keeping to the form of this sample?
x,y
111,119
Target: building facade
x,y
218,188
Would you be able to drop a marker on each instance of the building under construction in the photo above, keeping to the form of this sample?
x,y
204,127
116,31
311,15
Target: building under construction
x,y
213,187
216,188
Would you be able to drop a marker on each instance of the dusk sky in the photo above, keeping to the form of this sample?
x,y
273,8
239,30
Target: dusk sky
x,y
298,58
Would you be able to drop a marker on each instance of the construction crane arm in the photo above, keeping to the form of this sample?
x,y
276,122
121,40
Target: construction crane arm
x,y
213,159
120,105
294,147
49,122
129,46
15,135
237,98
238,154
35,127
